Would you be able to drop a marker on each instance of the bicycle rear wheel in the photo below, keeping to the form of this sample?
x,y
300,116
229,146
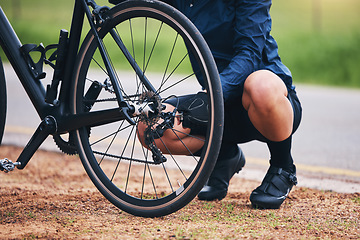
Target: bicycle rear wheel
x,y
175,58
2,101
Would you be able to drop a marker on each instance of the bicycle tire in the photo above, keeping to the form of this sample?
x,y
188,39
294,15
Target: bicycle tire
x,y
123,172
2,101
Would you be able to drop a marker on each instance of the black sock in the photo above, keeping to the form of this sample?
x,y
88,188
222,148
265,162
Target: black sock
x,y
227,151
280,154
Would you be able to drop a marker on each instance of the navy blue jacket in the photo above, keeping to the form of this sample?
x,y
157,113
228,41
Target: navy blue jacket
x,y
238,34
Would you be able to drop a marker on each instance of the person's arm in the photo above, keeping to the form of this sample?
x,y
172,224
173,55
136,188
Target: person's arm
x,y
252,25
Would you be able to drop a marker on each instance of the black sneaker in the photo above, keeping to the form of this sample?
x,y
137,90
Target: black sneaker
x,y
274,189
218,183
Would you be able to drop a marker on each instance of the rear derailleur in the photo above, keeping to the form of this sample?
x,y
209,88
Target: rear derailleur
x,y
151,134
155,130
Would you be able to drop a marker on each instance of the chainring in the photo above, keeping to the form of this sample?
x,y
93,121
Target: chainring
x,y
67,146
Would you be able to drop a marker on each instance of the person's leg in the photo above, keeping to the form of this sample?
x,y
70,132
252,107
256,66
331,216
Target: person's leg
x,y
269,114
230,161
276,117
265,100
280,152
237,129
178,140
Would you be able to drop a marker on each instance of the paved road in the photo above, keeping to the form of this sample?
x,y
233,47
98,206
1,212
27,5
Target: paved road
x,y
326,147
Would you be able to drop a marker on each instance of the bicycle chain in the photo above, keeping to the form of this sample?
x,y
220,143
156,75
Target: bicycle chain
x,y
101,100
126,158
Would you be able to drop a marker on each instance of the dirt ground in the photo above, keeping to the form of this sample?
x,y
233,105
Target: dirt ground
x,y
52,198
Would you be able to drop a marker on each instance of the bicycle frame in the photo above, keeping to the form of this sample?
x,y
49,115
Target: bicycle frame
x,y
57,118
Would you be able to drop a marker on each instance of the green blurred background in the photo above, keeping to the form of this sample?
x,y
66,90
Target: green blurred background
x,y
319,40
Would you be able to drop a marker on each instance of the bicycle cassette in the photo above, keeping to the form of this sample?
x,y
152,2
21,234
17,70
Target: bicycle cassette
x,y
153,101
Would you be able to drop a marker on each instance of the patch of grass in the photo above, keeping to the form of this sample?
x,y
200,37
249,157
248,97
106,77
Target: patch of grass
x,y
208,205
356,200
228,207
326,60
38,21
318,40
10,214
31,215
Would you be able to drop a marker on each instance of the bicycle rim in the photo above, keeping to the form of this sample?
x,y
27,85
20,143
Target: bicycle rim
x,y
2,101
158,38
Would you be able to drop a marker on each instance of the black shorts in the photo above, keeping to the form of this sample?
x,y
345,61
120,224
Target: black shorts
x,y
238,127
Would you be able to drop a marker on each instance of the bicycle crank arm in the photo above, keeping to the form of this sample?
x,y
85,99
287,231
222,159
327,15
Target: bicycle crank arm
x,y
46,127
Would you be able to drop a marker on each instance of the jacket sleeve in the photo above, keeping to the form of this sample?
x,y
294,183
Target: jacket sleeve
x,y
252,24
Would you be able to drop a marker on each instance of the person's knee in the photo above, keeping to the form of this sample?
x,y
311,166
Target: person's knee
x,y
263,89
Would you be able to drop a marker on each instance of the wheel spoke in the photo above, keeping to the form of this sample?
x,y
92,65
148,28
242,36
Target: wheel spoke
x,y
153,46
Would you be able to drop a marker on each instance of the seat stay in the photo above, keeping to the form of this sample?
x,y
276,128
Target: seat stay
x,y
140,73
